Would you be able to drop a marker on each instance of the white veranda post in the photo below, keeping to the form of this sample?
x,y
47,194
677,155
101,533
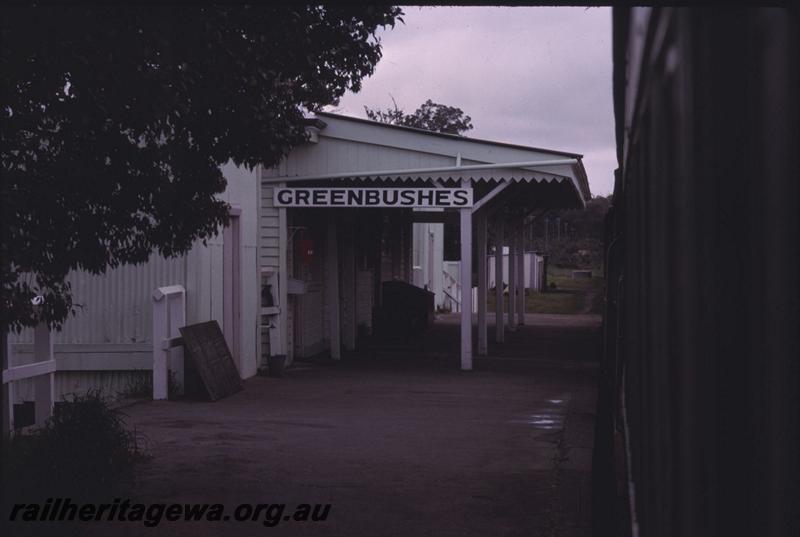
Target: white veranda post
x,y
520,274
498,281
512,278
332,259
466,285
482,284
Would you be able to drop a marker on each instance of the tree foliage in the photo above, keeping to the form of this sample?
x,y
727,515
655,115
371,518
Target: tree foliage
x,y
573,238
429,116
115,121
437,118
587,222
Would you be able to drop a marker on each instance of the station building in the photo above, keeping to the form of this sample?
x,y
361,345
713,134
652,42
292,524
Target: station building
x,y
344,206
303,267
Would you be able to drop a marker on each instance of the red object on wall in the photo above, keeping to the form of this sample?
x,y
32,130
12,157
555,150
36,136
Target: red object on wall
x,y
305,251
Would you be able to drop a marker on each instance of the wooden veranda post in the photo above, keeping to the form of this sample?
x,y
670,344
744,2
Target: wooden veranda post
x,y
512,278
332,271
520,275
498,281
482,284
466,285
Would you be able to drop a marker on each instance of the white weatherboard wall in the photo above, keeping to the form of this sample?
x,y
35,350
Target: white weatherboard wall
x,y
111,334
428,252
204,281
333,152
274,256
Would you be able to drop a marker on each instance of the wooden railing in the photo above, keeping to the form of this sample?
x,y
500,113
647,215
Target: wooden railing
x,y
42,370
452,289
169,314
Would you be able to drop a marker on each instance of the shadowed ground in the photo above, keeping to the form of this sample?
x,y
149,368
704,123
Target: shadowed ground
x,y
399,441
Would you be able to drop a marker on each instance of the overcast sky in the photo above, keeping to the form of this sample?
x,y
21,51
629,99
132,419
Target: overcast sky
x,y
538,76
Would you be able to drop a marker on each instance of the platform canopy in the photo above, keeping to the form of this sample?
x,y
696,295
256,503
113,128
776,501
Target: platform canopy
x,y
507,183
363,151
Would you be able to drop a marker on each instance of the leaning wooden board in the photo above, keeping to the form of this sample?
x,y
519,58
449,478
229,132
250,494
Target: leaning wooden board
x,y
208,353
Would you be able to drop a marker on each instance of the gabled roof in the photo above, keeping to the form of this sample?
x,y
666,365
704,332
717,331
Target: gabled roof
x,y
472,150
451,136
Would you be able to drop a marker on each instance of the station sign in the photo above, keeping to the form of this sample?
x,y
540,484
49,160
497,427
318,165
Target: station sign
x,y
400,198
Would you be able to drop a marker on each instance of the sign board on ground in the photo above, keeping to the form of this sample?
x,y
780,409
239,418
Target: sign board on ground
x,y
207,353
400,198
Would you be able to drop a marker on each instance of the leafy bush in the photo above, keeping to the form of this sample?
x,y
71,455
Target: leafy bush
x,y
83,451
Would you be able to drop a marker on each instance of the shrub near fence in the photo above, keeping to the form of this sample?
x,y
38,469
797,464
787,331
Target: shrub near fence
x,y
85,451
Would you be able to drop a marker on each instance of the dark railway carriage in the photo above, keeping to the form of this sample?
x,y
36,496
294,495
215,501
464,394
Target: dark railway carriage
x,y
698,415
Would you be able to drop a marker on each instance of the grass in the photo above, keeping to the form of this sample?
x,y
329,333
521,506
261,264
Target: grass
x,y
140,386
567,297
